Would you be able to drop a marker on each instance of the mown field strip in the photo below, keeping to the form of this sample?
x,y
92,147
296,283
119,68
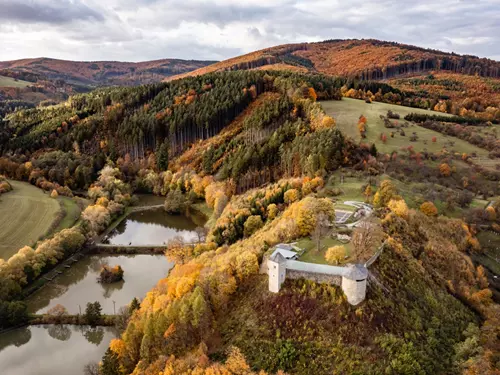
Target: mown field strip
x,y
26,213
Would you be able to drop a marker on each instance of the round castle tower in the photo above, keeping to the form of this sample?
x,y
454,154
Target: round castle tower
x,y
354,283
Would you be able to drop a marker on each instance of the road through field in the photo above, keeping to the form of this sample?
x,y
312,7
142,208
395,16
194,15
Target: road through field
x,y
26,213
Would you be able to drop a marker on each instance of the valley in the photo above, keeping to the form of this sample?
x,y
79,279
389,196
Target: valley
x,y
176,193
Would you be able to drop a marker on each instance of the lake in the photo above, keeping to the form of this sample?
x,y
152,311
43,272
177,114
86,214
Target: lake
x,y
78,284
52,349
154,227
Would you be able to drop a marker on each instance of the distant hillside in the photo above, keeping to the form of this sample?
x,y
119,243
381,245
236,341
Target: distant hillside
x,y
55,80
98,73
365,59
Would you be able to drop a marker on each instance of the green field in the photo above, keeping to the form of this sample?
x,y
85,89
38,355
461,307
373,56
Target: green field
x,y
11,82
347,112
26,214
71,213
312,255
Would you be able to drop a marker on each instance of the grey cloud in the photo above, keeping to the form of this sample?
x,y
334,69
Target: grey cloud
x,y
146,29
56,12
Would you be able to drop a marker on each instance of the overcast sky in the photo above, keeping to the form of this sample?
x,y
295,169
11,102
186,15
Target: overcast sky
x,y
140,30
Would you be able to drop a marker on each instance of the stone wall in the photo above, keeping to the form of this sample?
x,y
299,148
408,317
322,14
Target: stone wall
x,y
316,277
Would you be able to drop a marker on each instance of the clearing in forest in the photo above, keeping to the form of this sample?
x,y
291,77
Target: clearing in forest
x,y
11,82
347,112
26,214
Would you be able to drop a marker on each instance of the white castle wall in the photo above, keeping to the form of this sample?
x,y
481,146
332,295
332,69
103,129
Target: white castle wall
x,y
351,278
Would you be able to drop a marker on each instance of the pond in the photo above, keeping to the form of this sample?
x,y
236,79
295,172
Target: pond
x,y
78,284
52,349
154,227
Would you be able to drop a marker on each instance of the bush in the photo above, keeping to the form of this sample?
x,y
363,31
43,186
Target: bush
x,y
175,202
335,254
291,196
110,275
252,224
393,115
429,209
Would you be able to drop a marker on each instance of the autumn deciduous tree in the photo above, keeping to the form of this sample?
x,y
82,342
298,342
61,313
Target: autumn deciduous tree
x,y
385,193
445,169
492,214
365,237
327,122
252,224
58,311
111,274
291,195
429,209
221,200
399,207
320,229
335,254
306,211
362,126
175,202
272,211
54,194
368,193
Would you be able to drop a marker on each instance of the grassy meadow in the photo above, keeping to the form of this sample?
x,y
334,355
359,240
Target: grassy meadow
x,y
347,112
11,82
26,214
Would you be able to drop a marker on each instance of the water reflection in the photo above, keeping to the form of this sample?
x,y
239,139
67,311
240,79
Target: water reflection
x,y
59,332
52,349
78,285
154,227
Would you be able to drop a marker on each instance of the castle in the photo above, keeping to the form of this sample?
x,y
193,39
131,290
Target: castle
x,y
352,278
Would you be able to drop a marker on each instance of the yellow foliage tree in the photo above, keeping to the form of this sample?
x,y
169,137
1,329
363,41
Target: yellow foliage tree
x,y
335,254
385,193
272,211
306,211
291,195
429,209
54,194
368,193
399,207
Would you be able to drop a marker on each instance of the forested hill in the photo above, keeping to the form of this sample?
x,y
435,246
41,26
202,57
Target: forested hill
x,y
29,82
366,59
97,73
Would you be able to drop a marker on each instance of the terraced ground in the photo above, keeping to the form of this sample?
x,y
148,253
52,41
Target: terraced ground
x,y
26,213
347,112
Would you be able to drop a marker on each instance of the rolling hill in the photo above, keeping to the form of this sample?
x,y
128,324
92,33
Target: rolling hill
x,y
54,80
98,73
364,59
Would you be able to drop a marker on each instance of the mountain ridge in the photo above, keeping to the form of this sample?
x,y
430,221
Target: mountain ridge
x,y
380,59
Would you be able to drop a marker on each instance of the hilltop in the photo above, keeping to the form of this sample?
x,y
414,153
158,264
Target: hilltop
x,y
363,59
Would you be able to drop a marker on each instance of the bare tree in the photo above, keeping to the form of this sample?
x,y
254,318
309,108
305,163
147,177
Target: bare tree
x,y
201,234
366,236
91,368
321,229
121,320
